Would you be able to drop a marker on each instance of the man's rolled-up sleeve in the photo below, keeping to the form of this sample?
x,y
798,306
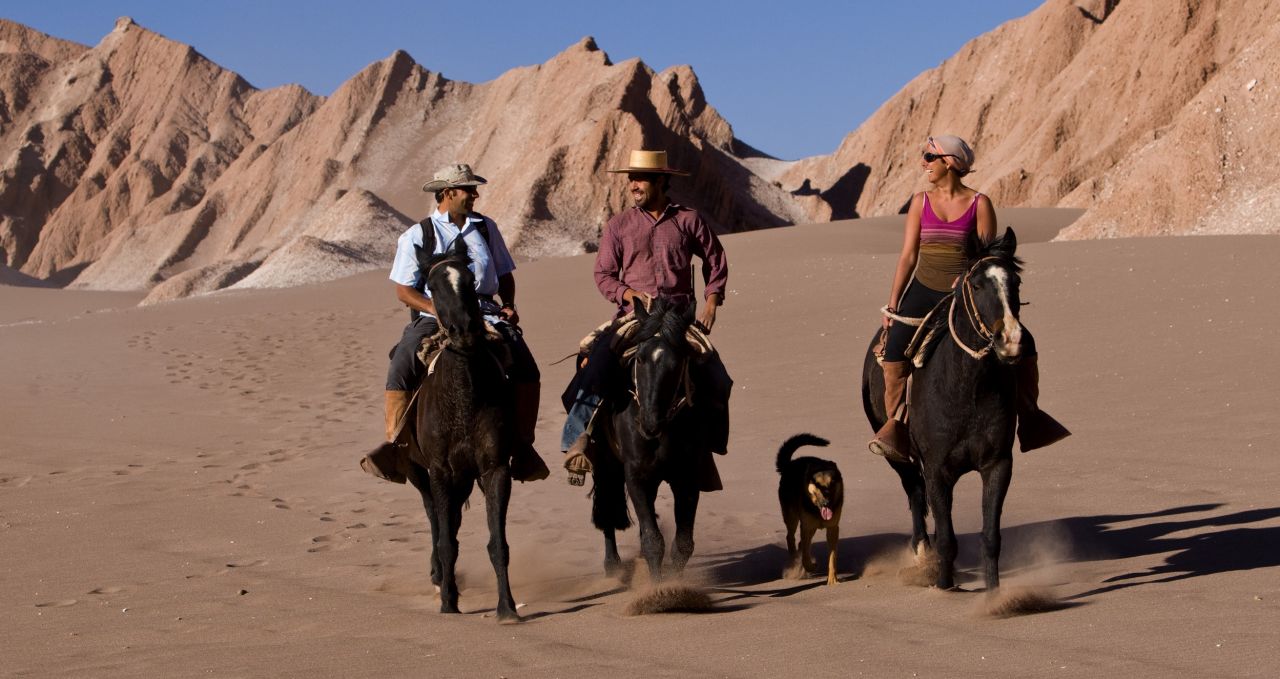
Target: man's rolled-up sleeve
x,y
609,266
715,265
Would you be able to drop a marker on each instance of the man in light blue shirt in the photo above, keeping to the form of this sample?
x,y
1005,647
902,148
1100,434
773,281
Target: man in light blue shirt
x,y
455,189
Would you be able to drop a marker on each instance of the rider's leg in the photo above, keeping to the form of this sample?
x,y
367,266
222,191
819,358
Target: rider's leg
x,y
597,365
893,441
575,440
1036,428
526,464
721,388
388,461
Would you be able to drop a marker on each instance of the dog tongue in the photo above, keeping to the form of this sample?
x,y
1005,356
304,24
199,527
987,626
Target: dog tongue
x,y
826,513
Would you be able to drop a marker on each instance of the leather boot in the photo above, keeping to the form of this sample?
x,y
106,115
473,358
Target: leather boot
x,y
577,460
526,463
1036,429
892,441
387,461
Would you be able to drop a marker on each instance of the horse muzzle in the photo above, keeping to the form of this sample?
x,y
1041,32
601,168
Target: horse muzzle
x,y
1007,342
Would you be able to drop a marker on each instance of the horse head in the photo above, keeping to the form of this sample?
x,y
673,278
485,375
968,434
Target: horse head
x,y
453,290
990,298
660,354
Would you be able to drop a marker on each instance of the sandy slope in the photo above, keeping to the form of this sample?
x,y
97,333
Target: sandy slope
x,y
179,495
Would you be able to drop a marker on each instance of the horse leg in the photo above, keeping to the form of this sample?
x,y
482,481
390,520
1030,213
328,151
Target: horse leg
x,y
644,493
940,493
448,504
995,484
418,477
913,485
686,507
497,494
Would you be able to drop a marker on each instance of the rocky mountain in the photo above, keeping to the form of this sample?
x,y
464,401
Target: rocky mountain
x,y
139,164
1157,116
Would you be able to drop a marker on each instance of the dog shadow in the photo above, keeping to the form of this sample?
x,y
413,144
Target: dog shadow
x,y
756,566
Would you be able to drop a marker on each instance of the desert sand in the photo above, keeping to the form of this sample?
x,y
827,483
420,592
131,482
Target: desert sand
x,y
180,495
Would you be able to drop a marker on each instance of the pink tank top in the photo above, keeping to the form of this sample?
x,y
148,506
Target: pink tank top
x,y
942,246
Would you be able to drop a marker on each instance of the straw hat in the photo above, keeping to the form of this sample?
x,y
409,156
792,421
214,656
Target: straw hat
x,y
453,176
651,162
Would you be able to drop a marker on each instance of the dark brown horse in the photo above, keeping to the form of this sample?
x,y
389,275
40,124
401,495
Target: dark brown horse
x,y
464,428
962,411
653,430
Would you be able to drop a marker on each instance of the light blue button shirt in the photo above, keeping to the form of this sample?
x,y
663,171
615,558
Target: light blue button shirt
x,y
488,260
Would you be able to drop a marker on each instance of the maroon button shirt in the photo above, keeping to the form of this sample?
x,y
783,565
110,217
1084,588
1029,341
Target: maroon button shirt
x,y
654,256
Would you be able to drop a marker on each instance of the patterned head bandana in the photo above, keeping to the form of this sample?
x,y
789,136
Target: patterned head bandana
x,y
959,156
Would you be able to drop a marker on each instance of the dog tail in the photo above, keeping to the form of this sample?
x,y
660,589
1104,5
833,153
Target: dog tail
x,y
795,442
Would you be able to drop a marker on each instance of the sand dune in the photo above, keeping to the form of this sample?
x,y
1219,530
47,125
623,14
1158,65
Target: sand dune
x,y
180,496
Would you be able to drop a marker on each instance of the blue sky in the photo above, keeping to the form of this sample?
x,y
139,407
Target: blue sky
x,y
792,78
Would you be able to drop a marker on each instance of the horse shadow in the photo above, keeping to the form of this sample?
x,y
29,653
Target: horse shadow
x,y
1197,540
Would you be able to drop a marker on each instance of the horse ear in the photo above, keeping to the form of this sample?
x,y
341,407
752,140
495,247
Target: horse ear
x,y
459,247
1004,246
422,256
638,308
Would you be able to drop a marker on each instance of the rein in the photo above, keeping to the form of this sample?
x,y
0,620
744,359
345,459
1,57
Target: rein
x,y
970,313
685,399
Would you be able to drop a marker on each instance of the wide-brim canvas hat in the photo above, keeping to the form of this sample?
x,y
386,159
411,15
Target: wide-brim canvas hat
x,y
650,162
453,176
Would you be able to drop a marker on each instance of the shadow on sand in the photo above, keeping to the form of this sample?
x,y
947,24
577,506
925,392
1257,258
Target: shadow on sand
x,y
1196,540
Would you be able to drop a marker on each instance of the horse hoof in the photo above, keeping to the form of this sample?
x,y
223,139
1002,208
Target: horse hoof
x,y
449,610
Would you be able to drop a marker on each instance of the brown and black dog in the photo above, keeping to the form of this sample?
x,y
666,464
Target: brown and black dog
x,y
811,493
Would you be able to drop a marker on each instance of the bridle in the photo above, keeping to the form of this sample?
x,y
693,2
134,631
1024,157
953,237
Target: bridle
x,y
971,314
681,400
963,294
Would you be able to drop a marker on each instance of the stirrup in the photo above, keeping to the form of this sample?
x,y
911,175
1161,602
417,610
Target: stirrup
x,y
386,469
887,451
578,465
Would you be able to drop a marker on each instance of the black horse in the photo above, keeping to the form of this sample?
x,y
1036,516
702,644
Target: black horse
x,y
962,404
652,428
464,427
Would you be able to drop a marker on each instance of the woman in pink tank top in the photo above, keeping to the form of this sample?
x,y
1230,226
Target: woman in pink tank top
x,y
938,223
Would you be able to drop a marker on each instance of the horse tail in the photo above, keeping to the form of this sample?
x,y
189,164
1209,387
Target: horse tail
x,y
792,444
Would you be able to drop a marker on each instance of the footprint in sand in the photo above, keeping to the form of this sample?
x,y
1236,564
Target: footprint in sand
x,y
61,603
106,590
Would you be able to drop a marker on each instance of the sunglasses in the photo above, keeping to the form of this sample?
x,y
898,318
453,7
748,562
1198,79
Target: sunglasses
x,y
930,157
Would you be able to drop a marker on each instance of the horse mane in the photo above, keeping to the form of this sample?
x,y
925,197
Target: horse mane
x,y
427,259
1001,248
665,318
458,314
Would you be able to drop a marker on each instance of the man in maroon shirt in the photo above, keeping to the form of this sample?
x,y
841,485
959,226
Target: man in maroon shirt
x,y
646,252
